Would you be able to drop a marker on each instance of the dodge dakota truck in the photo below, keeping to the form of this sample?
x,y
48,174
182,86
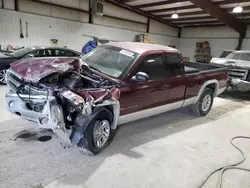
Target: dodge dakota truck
x,y
84,100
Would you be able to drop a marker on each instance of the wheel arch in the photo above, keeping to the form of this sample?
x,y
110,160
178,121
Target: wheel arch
x,y
114,107
211,84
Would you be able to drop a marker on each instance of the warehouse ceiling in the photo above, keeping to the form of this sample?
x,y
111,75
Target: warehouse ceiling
x,y
193,12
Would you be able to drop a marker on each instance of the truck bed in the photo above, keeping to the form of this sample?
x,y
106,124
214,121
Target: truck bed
x,y
190,68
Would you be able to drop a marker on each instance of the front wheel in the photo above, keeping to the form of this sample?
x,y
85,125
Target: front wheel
x,y
205,102
2,76
98,134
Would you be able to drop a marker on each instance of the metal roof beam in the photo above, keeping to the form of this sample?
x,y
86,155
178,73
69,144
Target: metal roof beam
x,y
204,25
198,22
200,12
140,12
227,2
172,9
182,14
167,2
195,6
238,16
192,18
125,1
159,3
217,12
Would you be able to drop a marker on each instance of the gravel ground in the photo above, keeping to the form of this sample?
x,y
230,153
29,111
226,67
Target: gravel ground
x,y
173,150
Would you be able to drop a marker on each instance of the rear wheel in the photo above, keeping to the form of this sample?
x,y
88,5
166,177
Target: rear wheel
x,y
98,134
205,102
2,76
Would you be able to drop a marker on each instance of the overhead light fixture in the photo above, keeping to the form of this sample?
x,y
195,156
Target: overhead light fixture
x,y
237,9
175,16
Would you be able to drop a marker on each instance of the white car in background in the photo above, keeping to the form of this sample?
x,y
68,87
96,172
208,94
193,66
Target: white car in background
x,y
238,63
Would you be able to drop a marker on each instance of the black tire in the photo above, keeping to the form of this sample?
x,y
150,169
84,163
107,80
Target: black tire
x,y
197,108
86,144
2,79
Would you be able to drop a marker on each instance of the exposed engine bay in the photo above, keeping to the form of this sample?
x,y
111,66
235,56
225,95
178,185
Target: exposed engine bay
x,y
75,80
63,100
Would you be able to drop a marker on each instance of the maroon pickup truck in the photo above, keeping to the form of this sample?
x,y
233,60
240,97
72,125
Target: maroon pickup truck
x,y
83,100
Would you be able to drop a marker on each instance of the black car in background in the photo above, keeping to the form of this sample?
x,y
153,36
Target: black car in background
x,y
32,52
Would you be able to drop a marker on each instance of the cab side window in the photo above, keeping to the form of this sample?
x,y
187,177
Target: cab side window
x,y
173,63
43,53
65,53
59,53
37,53
153,65
245,57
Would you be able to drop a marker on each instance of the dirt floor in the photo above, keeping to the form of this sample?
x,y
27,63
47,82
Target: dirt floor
x,y
173,150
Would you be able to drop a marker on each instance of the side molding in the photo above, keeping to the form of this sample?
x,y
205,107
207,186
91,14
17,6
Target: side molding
x,y
149,112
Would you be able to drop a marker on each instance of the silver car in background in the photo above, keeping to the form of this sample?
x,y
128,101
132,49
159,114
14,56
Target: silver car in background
x,y
238,63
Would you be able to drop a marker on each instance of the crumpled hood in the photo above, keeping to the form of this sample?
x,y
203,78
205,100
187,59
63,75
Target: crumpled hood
x,y
34,69
231,63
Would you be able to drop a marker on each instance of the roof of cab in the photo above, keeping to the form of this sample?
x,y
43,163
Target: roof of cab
x,y
140,48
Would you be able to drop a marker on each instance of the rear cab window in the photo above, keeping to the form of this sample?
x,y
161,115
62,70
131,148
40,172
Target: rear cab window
x,y
174,64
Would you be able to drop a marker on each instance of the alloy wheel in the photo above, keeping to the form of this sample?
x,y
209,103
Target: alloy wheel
x,y
206,103
2,76
101,133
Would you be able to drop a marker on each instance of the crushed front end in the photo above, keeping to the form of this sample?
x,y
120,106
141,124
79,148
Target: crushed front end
x,y
59,99
239,80
239,73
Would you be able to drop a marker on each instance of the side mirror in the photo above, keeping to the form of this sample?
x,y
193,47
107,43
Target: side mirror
x,y
140,77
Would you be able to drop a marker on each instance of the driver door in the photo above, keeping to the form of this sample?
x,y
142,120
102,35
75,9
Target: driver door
x,y
139,96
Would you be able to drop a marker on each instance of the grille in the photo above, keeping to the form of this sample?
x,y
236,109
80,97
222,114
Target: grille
x,y
238,73
13,81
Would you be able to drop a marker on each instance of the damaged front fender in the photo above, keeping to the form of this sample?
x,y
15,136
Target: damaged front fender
x,y
83,121
83,112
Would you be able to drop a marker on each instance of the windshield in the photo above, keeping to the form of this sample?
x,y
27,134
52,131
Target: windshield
x,y
225,53
239,56
22,52
110,60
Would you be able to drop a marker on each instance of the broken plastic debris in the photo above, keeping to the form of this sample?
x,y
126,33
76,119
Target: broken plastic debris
x,y
76,99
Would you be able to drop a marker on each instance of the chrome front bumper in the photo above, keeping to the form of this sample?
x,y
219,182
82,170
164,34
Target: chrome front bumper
x,y
239,85
50,117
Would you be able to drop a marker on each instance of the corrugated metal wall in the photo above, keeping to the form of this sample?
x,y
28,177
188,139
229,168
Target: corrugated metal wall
x,y
219,38
69,33
41,30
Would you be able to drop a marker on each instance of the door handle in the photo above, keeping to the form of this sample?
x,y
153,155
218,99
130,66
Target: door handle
x,y
165,86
